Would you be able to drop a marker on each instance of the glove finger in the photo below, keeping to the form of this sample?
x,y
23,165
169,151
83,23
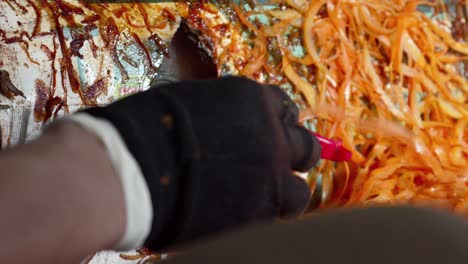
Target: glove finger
x,y
305,148
283,106
295,195
185,60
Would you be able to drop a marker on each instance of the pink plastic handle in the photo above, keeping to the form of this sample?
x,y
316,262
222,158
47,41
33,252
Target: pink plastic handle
x,y
333,149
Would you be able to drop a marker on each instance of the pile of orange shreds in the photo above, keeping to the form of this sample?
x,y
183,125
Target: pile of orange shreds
x,y
384,78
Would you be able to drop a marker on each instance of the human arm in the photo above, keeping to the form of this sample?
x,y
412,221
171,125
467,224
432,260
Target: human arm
x,y
229,153
59,198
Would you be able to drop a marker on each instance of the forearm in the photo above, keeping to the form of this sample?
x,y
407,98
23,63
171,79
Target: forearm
x,y
60,199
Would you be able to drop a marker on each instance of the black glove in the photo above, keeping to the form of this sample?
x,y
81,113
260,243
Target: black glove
x,y
216,154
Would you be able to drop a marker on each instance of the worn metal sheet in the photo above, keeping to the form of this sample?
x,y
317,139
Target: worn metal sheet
x,y
38,56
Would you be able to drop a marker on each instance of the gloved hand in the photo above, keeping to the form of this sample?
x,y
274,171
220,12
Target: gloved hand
x,y
215,154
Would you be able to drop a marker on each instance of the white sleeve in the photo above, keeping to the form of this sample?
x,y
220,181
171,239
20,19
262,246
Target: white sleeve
x,y
138,203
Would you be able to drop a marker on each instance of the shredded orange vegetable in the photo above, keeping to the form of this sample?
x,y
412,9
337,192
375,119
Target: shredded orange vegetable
x,y
385,79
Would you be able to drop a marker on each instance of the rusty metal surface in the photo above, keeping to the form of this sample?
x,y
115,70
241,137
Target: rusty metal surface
x,y
35,49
